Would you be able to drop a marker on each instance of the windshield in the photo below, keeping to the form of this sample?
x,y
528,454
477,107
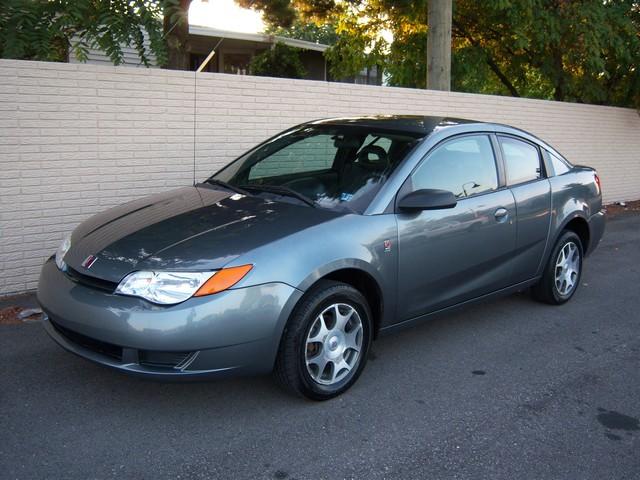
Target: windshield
x,y
331,166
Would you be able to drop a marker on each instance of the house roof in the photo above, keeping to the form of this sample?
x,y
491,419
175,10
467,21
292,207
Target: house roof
x,y
256,37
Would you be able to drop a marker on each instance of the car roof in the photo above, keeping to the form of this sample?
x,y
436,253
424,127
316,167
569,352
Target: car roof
x,y
421,124
425,125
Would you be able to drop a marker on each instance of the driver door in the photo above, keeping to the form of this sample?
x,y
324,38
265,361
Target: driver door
x,y
452,255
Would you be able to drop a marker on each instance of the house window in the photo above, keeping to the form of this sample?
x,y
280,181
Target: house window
x,y
367,76
237,63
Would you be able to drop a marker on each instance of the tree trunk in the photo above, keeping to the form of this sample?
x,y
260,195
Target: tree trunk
x,y
439,44
176,31
559,93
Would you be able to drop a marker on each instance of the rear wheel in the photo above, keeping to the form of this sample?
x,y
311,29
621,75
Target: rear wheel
x,y
562,274
325,344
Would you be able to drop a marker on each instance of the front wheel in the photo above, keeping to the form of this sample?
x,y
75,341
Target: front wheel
x,y
562,274
325,344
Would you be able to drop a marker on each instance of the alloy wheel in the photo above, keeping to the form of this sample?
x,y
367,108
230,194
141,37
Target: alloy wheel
x,y
567,268
333,344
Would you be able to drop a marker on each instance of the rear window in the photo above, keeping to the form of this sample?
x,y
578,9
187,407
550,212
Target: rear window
x,y
559,165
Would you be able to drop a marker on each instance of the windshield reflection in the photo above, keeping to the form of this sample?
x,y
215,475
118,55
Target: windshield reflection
x,y
338,167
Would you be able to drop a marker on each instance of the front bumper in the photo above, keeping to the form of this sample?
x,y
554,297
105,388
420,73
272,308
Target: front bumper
x,y
233,332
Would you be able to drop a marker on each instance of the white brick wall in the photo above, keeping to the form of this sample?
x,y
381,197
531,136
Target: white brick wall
x,y
77,139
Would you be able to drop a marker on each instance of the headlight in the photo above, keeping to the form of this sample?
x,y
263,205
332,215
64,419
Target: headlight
x,y
168,288
62,251
163,287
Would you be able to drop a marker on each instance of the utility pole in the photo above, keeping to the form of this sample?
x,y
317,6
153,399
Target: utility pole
x,y
439,44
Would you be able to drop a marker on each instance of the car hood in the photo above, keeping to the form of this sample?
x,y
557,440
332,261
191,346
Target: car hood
x,y
192,228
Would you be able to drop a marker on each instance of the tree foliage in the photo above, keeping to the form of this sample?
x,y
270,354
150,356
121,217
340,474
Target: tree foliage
x,y
279,61
285,12
324,33
571,50
583,51
50,29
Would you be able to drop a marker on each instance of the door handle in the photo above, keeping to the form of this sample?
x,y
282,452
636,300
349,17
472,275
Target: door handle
x,y
501,214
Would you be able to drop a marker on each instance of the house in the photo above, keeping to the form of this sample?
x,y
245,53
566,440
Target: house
x,y
234,51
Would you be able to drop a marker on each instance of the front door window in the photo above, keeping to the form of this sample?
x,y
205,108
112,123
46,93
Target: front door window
x,y
464,166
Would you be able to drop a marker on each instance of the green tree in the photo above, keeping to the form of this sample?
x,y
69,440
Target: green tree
x,y
285,12
50,29
582,50
278,61
324,33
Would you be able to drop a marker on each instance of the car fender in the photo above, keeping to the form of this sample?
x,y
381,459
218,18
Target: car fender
x,y
310,280
336,265
555,233
365,243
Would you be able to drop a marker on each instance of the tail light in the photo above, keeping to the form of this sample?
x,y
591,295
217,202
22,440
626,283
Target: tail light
x,y
597,179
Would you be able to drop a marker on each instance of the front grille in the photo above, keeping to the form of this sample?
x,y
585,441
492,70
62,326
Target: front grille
x,y
90,281
92,344
151,358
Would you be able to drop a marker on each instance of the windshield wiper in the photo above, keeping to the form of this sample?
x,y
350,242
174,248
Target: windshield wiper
x,y
281,190
228,186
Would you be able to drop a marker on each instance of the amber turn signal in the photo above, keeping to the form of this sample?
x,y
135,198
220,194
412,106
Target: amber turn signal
x,y
223,279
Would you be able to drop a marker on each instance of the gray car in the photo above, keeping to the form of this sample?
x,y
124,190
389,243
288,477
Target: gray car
x,y
297,255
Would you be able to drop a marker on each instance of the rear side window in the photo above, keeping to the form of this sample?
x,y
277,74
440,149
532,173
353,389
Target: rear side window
x,y
559,166
522,160
465,166
374,152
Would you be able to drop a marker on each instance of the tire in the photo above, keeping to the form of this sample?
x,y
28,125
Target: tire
x,y
553,290
305,345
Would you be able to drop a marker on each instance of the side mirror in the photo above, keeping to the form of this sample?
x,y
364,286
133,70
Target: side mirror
x,y
428,199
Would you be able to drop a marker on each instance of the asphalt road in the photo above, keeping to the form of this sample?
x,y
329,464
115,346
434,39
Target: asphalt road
x,y
512,389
